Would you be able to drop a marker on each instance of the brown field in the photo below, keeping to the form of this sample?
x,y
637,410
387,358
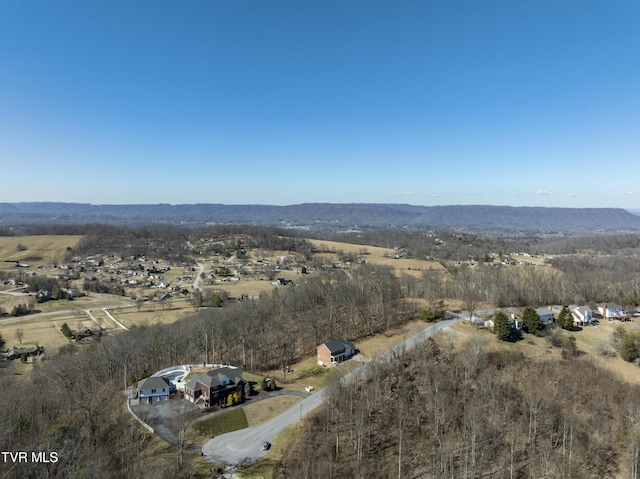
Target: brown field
x,y
373,251
43,330
150,313
266,409
251,287
538,261
40,250
378,256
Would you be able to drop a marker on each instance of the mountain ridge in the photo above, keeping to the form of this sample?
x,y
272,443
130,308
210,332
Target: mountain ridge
x,y
329,216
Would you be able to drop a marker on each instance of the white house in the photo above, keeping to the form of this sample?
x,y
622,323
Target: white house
x,y
545,314
582,315
611,311
153,389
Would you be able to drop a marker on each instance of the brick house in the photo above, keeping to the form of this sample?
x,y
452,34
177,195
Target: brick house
x,y
334,352
214,386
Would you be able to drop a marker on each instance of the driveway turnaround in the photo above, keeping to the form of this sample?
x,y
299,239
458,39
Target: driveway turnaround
x,y
245,445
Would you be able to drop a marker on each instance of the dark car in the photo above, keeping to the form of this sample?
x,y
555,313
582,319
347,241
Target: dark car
x,y
266,446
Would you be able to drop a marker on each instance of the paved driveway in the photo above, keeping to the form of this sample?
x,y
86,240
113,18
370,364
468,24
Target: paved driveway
x,y
244,446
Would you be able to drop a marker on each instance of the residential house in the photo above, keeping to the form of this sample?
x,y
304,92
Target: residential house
x,y
582,316
546,315
611,311
334,352
214,386
153,389
33,354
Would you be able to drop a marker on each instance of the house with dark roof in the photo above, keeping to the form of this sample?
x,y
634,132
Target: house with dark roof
x,y
33,354
214,386
334,352
153,389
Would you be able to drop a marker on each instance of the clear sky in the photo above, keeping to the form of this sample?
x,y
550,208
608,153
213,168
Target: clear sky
x,y
282,102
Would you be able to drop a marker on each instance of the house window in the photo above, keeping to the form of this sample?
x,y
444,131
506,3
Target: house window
x,y
153,391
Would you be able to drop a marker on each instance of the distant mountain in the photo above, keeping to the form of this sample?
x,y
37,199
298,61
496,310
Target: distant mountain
x,y
330,216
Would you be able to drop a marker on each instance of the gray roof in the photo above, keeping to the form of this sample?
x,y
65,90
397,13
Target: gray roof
x,y
214,378
338,344
153,382
193,384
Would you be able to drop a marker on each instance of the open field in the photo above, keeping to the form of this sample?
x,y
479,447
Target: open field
x,y
266,409
378,256
371,251
43,327
151,313
537,260
43,330
35,250
250,287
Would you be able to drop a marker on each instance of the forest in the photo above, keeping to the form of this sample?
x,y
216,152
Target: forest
x,y
462,413
438,412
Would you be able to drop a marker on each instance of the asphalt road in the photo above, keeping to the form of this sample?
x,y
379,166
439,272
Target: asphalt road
x,y
244,446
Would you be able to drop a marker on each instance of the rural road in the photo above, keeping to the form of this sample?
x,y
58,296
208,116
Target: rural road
x,y
244,446
196,281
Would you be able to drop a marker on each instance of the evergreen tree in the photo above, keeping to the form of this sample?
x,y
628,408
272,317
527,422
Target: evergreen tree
x,y
531,320
66,330
501,326
565,320
56,293
630,347
264,385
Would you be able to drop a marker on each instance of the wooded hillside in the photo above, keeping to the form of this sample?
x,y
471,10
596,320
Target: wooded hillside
x,y
438,413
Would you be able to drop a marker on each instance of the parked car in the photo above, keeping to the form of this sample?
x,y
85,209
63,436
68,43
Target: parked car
x,y
266,446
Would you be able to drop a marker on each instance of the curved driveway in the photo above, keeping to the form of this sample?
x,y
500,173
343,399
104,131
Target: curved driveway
x,y
244,446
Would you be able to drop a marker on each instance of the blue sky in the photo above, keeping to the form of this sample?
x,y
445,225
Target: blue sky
x,y
285,102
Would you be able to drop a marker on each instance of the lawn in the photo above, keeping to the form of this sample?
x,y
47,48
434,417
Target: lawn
x,y
222,423
261,411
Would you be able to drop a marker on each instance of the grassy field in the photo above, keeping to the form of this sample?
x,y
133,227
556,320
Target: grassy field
x,y
261,411
41,330
214,426
35,250
378,256
151,313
